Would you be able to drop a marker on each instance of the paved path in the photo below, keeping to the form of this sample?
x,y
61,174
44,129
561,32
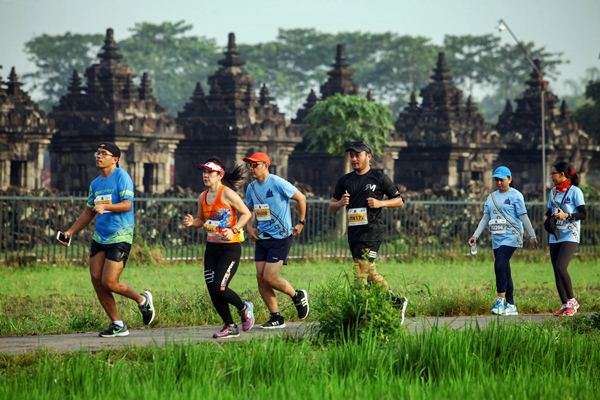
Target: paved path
x,y
196,334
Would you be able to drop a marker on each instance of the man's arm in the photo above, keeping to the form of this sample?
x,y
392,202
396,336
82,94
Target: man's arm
x,y
84,219
301,207
123,206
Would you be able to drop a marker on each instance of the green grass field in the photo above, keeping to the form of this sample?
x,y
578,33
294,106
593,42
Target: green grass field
x,y
59,299
559,359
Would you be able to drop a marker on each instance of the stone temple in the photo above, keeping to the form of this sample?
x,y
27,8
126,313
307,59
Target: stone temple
x,y
440,141
25,134
112,107
231,121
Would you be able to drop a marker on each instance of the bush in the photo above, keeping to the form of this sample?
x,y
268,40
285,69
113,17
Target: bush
x,y
352,311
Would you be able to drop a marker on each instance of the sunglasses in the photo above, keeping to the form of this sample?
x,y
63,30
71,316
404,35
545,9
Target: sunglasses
x,y
253,165
499,179
102,154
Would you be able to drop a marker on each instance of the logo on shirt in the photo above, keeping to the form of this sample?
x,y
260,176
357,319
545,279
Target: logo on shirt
x,y
507,201
269,193
371,187
568,200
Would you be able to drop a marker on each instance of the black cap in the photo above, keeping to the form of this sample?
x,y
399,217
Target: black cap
x,y
111,148
359,146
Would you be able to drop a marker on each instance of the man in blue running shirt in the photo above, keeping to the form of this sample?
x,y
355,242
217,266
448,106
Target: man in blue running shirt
x,y
268,196
110,202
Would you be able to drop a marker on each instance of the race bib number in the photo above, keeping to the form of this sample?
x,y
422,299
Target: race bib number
x,y
262,212
357,216
562,225
211,227
497,226
103,199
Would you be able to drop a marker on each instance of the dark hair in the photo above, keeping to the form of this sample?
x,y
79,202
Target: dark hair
x,y
233,177
569,171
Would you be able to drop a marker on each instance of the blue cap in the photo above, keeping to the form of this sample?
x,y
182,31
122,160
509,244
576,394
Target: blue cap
x,y
501,172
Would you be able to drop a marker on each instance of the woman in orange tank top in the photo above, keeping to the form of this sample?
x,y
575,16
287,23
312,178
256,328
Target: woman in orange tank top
x,y
223,214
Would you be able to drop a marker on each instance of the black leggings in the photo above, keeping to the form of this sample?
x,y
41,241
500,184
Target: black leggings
x,y
504,283
561,254
221,261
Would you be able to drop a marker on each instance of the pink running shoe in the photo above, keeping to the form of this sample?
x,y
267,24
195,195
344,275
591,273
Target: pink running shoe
x,y
228,331
560,311
247,316
572,307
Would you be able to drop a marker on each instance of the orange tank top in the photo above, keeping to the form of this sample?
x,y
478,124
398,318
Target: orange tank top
x,y
218,216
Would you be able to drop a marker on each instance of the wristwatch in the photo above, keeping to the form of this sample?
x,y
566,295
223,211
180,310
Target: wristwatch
x,y
235,230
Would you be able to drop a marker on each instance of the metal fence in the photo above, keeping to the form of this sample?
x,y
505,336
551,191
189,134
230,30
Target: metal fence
x,y
29,225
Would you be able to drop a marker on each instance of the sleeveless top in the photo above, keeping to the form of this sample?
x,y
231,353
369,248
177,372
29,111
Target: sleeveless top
x,y
217,217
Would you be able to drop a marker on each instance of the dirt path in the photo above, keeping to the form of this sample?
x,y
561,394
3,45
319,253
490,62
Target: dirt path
x,y
195,334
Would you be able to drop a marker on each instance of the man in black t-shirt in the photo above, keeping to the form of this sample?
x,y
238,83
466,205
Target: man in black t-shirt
x,y
361,192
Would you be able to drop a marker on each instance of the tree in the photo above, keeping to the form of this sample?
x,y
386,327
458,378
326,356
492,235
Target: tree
x,y
471,58
55,57
335,121
588,115
174,59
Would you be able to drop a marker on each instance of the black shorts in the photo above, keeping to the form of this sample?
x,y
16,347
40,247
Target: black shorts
x,y
273,250
364,250
114,251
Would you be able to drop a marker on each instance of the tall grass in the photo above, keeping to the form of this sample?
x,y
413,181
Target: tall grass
x,y
496,363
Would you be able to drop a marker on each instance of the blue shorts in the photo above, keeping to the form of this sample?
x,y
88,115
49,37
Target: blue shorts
x,y
273,250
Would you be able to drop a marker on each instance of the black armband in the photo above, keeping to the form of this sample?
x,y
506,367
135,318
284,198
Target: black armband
x,y
579,215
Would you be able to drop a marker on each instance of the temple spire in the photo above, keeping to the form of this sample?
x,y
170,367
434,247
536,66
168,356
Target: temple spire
x,y
264,95
75,83
145,92
13,86
232,56
110,50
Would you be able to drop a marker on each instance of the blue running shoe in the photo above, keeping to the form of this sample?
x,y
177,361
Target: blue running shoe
x,y
499,306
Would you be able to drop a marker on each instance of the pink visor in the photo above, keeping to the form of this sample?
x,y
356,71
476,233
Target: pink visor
x,y
212,167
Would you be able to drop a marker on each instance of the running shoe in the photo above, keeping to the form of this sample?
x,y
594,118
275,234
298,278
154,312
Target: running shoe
x,y
114,330
571,309
510,309
301,302
228,331
276,322
560,311
499,306
247,315
400,303
147,309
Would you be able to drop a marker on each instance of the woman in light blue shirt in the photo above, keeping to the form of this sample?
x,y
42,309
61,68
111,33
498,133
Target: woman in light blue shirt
x,y
505,215
567,207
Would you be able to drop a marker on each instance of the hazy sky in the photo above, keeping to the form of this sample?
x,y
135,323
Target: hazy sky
x,y
572,27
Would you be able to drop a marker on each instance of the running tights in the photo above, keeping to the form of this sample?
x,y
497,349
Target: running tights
x,y
561,254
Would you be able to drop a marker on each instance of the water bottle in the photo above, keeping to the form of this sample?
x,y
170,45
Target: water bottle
x,y
473,249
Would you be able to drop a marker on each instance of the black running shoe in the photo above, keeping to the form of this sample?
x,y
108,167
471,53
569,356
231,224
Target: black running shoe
x,y
276,322
114,330
301,302
147,309
400,303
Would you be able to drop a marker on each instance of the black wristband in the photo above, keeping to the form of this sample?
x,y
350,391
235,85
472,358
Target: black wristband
x,y
302,222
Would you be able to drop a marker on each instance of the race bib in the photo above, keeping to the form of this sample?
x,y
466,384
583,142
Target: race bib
x,y
498,225
262,212
357,216
211,226
562,225
103,199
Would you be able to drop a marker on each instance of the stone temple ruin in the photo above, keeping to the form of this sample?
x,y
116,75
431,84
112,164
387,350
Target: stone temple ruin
x,y
440,139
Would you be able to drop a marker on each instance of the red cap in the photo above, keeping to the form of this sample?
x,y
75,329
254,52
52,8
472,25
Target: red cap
x,y
211,167
258,157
